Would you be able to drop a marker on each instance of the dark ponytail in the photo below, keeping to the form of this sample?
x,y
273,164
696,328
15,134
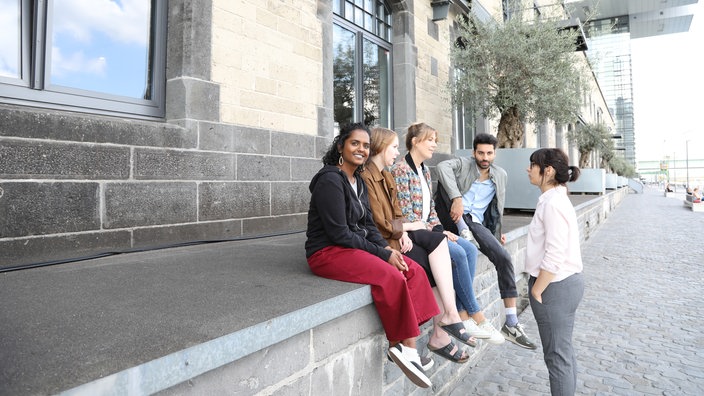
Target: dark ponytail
x,y
560,163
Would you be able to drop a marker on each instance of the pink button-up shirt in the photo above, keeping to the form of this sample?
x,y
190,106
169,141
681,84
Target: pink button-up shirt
x,y
553,237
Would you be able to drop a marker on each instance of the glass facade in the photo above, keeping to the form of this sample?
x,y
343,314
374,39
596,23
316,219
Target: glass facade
x,y
610,55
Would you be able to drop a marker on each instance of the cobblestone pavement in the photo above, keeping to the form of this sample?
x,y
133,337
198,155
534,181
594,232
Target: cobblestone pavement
x,y
639,326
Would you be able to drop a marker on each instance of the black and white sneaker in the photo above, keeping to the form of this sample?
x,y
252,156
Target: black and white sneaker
x,y
426,363
408,361
518,336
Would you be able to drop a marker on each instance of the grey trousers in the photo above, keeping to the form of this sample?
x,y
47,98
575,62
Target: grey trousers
x,y
555,318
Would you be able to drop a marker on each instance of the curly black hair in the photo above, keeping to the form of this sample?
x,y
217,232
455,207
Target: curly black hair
x,y
332,156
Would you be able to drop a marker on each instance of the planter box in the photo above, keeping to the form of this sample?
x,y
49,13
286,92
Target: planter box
x,y
611,181
622,181
590,181
520,194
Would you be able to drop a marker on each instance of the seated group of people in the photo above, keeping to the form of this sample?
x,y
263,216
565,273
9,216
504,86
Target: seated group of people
x,y
696,195
363,217
375,221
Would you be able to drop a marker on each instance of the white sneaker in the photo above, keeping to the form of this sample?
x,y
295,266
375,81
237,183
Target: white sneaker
x,y
496,337
472,329
408,361
467,234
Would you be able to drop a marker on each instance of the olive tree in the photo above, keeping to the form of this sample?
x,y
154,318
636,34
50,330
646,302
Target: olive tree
x,y
588,138
520,71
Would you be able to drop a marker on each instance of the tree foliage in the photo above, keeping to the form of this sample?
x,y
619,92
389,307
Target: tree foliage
x,y
588,138
520,71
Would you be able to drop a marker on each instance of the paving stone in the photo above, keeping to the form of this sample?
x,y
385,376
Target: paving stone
x,y
636,331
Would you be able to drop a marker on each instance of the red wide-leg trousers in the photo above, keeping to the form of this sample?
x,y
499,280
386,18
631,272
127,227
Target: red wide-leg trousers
x,y
404,300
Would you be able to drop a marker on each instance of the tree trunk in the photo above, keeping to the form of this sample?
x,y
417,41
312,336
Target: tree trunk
x,y
510,134
584,159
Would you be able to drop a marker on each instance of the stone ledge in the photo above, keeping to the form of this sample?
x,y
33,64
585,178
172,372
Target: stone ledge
x,y
163,320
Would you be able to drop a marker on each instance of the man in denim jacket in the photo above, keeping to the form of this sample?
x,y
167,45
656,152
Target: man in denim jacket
x,y
470,202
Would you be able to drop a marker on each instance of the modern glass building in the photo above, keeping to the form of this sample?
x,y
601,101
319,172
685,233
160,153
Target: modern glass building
x,y
614,24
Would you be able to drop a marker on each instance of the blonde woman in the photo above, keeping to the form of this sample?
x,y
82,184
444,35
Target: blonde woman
x,y
427,248
414,194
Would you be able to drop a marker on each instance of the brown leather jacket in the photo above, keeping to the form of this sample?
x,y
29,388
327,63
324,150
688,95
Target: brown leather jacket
x,y
386,211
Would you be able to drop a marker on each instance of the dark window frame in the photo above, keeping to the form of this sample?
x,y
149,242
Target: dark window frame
x,y
31,88
361,34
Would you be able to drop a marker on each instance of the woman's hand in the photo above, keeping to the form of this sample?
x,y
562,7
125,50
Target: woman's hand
x,y
406,243
396,259
452,237
537,297
414,226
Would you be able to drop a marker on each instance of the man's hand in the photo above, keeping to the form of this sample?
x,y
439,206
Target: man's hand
x,y
503,239
457,209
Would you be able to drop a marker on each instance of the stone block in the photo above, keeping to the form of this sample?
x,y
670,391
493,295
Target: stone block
x,y
322,144
292,145
191,98
150,237
305,169
30,208
235,200
355,371
300,386
141,204
289,198
234,138
64,126
253,373
263,168
274,225
48,160
331,337
189,40
184,165
26,251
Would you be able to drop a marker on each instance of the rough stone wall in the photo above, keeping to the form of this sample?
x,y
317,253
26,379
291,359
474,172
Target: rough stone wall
x,y
78,185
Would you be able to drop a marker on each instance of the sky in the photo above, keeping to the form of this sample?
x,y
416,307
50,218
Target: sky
x,y
668,86
99,45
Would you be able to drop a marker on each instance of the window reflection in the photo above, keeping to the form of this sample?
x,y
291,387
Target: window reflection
x,y
376,83
104,47
343,74
10,38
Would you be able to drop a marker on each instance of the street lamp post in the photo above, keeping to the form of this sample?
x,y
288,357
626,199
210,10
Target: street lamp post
x,y
686,151
674,170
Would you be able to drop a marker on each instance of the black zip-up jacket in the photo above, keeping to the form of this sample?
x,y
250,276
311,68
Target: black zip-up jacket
x,y
339,217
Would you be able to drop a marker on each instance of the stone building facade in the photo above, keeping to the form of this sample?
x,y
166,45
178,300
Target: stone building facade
x,y
241,105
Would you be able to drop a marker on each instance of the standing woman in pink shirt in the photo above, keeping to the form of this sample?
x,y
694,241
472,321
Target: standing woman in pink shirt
x,y
554,262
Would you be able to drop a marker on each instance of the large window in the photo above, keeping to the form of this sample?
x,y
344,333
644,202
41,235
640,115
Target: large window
x,y
362,62
100,56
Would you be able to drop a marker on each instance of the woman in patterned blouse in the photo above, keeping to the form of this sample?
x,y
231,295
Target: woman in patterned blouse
x,y
414,192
